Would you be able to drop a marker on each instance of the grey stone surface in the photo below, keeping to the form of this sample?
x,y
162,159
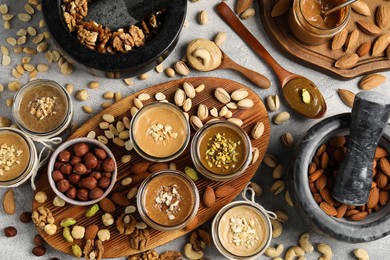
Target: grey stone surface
x,y
20,246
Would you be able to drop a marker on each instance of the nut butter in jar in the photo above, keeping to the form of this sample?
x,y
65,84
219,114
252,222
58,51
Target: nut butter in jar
x,y
168,200
43,109
18,157
221,150
308,25
159,132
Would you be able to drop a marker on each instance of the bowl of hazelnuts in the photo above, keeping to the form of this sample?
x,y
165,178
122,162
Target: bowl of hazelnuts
x,y
82,171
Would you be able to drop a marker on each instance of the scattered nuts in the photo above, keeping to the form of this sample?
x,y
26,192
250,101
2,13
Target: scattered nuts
x,y
190,253
10,231
325,250
82,95
276,228
9,202
58,202
203,17
103,235
107,219
281,118
274,252
38,251
220,38
25,217
361,254
78,232
67,235
92,210
305,244
257,130
257,188
40,197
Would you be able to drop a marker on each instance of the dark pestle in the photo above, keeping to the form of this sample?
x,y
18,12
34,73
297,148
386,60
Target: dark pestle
x,y
369,117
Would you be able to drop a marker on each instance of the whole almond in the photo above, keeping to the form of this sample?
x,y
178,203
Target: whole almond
x,y
193,224
352,41
371,81
368,27
339,39
120,199
328,209
341,210
139,167
380,44
380,152
281,7
373,198
325,194
381,180
347,61
382,16
9,202
242,5
361,7
363,49
220,38
158,167
224,190
385,166
359,216
209,197
91,232
347,97
107,205
383,197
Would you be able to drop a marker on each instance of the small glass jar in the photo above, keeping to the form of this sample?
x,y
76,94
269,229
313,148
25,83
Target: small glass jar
x,y
168,200
43,109
307,25
25,163
159,132
242,219
207,151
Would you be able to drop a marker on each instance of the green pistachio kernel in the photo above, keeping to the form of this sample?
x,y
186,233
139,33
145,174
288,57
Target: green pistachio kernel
x,y
191,173
92,210
306,96
77,252
67,222
67,235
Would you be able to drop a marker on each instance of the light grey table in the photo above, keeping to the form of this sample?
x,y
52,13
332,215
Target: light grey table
x,y
19,247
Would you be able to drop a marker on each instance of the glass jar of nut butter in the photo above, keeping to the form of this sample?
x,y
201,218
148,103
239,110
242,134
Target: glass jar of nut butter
x,y
308,24
43,109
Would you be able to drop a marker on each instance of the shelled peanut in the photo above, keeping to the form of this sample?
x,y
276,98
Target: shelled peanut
x,y
323,171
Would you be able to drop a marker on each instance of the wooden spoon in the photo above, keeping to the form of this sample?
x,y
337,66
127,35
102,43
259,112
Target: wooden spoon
x,y
293,85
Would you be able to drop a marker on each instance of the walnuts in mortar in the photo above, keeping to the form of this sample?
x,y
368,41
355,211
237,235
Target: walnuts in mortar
x,y
83,172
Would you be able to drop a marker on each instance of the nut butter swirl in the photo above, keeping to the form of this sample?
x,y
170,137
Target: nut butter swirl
x,y
204,55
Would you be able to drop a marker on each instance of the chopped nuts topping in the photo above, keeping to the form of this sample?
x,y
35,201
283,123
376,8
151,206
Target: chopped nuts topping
x,y
43,107
8,157
222,152
243,232
168,199
162,133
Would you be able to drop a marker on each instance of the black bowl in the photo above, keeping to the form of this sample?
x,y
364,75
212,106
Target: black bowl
x,y
118,65
375,226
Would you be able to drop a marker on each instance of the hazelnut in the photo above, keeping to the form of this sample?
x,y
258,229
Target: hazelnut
x,y
80,168
64,156
80,149
25,217
107,174
66,168
87,155
39,251
10,231
99,165
57,165
91,162
75,160
71,193
57,175
89,183
38,240
63,185
96,193
74,178
104,182
82,194
96,175
108,165
100,153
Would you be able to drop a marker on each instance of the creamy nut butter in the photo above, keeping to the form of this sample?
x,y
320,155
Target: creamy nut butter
x,y
159,131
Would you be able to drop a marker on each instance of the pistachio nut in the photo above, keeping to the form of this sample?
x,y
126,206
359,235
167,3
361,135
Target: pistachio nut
x,y
67,222
92,210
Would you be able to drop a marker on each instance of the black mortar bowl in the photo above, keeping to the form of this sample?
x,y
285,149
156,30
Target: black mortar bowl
x,y
374,226
116,14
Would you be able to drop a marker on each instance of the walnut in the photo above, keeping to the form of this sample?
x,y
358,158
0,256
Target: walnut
x,y
126,224
153,255
137,35
82,7
70,21
42,216
200,239
93,249
171,255
139,239
86,37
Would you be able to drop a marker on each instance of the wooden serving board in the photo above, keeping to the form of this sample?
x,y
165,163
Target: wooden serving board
x,y
119,245
322,57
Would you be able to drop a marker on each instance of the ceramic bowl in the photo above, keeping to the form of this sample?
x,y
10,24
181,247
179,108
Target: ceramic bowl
x,y
111,13
375,226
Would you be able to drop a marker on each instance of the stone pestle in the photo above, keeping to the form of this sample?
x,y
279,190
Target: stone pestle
x,y
369,116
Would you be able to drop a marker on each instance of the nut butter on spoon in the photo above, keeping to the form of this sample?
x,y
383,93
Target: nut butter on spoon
x,y
205,55
300,93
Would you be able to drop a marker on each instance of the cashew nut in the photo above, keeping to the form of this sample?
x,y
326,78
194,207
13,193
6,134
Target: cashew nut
x,y
305,244
361,254
274,251
282,215
325,250
202,54
276,228
190,253
294,251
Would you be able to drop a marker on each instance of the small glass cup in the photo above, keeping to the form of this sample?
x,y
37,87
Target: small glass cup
x,y
198,150
31,158
159,185
21,109
159,132
309,33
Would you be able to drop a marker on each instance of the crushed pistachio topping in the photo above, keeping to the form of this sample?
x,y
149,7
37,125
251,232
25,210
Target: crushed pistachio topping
x,y
222,152
9,156
168,199
43,107
244,233
162,133
306,96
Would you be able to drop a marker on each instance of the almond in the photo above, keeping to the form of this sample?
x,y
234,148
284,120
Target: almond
x,y
158,167
9,202
209,197
351,212
91,231
382,16
361,7
385,166
339,39
321,182
371,81
281,7
243,5
388,52
380,153
347,96
368,27
381,180
352,41
380,44
317,174
359,216
347,61
341,210
328,209
383,197
224,190
193,224
120,199
107,205
325,194
373,198
140,167
363,49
